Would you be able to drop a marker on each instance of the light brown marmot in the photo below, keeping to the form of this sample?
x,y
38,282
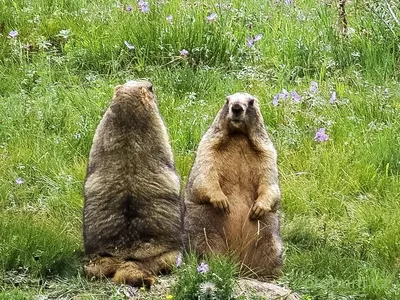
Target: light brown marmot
x,y
232,198
132,209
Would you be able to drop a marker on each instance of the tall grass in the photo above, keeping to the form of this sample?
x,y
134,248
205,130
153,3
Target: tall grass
x,y
302,38
340,220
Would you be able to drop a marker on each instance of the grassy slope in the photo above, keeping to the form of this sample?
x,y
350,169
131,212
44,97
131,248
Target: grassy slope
x,y
340,218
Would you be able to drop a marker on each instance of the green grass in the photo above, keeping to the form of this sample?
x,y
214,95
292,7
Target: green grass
x,y
340,216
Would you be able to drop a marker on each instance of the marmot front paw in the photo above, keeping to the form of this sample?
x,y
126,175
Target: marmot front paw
x,y
258,210
221,204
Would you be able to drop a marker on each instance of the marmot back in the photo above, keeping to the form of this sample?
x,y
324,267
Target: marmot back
x,y
131,221
232,197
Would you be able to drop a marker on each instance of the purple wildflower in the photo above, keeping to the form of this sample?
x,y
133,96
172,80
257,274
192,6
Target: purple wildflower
x,y
258,37
275,101
321,136
129,8
285,94
296,97
212,18
333,97
184,53
129,46
289,2
179,260
314,87
250,42
19,180
143,6
169,19
203,268
13,34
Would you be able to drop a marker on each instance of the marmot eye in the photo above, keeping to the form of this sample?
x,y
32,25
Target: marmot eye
x,y
251,101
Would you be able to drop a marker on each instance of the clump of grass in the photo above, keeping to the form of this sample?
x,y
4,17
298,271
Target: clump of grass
x,y
12,295
37,245
213,278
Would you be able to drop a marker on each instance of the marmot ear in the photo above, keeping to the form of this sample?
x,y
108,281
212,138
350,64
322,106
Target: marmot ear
x,y
144,92
251,101
227,100
145,95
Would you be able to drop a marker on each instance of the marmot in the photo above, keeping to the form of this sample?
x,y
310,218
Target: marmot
x,y
132,209
232,198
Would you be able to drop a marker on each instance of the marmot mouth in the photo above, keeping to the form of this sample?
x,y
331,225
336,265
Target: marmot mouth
x,y
236,120
236,123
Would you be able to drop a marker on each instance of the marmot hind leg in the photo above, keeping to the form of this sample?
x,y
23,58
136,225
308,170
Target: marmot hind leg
x,y
163,263
132,274
264,260
142,273
101,267
204,243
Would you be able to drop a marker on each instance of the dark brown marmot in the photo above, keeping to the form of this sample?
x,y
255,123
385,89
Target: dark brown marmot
x,y
131,222
232,197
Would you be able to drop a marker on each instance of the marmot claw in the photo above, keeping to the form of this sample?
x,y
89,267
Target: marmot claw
x,y
258,210
221,204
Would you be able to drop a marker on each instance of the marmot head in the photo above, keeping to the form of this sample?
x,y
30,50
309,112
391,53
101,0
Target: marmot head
x,y
138,94
242,111
134,105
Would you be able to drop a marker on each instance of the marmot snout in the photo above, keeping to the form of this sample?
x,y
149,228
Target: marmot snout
x,y
240,106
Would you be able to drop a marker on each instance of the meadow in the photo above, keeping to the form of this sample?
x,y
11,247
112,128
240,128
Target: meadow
x,y
330,101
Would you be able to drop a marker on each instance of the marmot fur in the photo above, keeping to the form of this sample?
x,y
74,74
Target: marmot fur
x,y
232,198
132,210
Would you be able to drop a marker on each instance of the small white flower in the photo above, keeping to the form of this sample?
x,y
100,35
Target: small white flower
x,y
184,53
19,180
212,17
64,33
129,46
333,97
179,260
208,288
169,19
43,43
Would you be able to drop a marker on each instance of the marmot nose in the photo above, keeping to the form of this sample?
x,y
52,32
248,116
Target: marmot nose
x,y
237,108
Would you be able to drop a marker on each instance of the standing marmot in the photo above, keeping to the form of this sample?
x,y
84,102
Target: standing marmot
x,y
131,221
232,198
